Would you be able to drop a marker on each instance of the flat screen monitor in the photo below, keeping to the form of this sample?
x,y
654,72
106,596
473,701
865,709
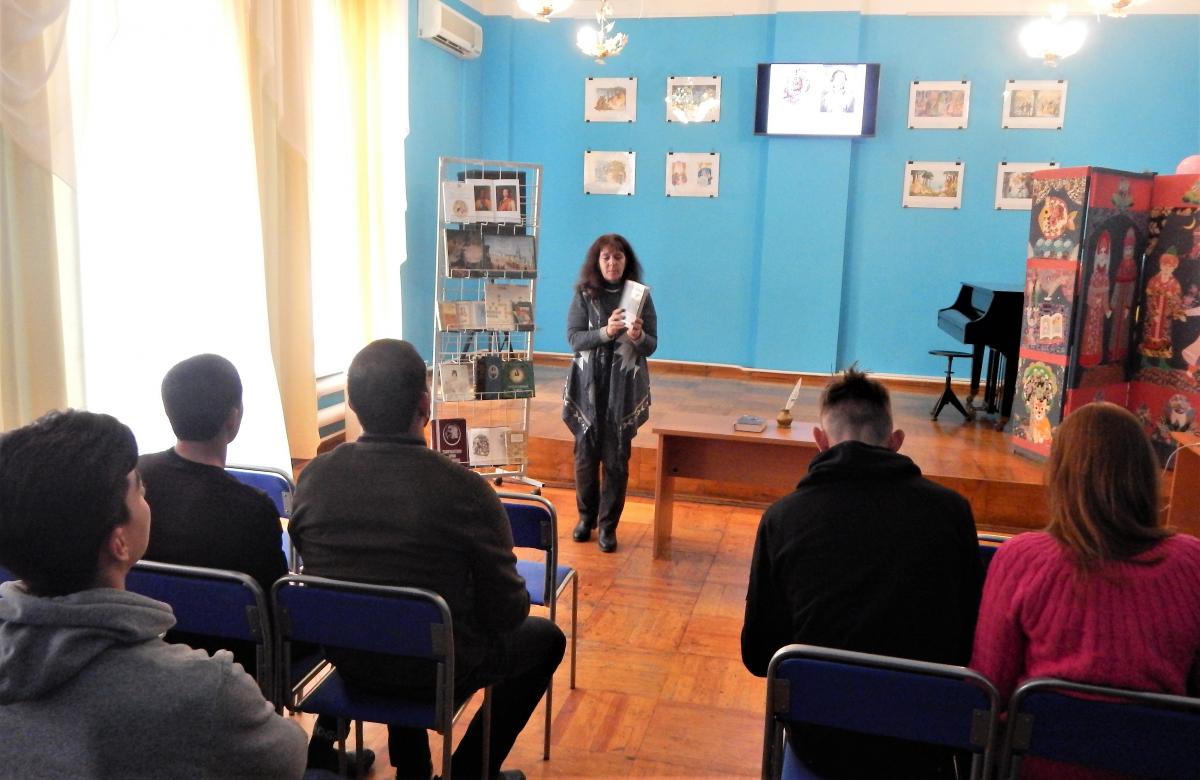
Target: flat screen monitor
x,y
808,98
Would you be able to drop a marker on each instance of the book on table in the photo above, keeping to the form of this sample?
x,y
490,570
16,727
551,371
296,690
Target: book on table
x,y
750,423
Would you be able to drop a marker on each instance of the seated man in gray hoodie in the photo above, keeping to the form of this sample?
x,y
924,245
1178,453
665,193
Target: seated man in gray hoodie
x,y
87,686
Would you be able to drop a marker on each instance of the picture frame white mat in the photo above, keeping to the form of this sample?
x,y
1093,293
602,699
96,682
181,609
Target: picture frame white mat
x,y
610,99
1034,105
933,185
692,99
1014,185
609,173
943,105
693,174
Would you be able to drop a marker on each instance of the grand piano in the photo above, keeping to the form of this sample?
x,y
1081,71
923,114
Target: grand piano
x,y
989,316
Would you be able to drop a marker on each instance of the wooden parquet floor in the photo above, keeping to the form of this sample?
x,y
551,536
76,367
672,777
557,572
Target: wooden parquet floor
x,y
661,690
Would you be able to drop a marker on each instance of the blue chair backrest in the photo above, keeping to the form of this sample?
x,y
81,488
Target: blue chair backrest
x,y
531,525
1138,733
6,575
378,618
914,700
275,483
212,602
988,544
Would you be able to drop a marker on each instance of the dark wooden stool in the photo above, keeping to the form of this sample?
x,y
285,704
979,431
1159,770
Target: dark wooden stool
x,y
948,396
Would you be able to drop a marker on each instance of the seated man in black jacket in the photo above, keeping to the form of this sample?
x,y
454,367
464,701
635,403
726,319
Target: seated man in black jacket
x,y
202,515
386,509
865,555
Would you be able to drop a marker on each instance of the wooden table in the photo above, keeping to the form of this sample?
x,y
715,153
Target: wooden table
x,y
703,446
1183,508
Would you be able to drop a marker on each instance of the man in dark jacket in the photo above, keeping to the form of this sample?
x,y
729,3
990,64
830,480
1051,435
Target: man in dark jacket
x,y
865,555
386,509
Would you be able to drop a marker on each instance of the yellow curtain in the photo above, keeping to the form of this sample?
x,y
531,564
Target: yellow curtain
x,y
34,148
278,51
32,370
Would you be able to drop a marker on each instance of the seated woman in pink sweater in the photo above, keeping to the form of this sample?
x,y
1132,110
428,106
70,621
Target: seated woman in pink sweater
x,y
1106,594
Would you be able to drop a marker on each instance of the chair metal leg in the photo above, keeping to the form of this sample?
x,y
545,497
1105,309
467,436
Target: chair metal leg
x,y
487,735
549,708
574,623
341,730
359,769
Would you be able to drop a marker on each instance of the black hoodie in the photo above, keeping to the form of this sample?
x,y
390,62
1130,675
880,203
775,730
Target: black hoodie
x,y
866,555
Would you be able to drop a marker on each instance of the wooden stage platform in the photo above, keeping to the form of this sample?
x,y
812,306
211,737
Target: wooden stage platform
x,y
1005,489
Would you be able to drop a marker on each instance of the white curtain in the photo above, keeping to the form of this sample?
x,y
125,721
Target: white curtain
x,y
169,233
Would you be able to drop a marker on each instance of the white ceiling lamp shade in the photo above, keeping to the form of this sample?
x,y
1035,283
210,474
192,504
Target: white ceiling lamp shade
x,y
596,42
1053,38
542,10
1115,8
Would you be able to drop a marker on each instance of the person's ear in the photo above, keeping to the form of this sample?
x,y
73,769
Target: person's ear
x,y
117,546
424,408
895,440
821,438
233,423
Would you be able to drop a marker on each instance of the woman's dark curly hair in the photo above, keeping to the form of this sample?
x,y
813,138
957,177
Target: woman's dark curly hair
x,y
591,281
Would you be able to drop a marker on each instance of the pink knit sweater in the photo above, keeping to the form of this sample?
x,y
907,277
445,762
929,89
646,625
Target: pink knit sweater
x,y
1129,625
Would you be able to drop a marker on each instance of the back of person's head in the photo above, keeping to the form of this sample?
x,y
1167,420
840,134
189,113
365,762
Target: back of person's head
x,y
1102,480
385,385
198,395
855,407
591,281
62,491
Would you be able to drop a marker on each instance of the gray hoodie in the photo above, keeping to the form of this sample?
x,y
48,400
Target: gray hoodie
x,y
89,689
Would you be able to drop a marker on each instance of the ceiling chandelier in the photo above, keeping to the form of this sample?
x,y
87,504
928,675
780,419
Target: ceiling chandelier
x,y
542,10
1054,37
596,42
1115,8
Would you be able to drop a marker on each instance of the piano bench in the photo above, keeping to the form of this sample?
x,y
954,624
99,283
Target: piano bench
x,y
948,396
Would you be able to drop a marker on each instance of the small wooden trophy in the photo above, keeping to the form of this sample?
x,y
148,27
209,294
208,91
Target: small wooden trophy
x,y
784,420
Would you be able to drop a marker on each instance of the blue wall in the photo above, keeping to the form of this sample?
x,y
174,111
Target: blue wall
x,y
806,261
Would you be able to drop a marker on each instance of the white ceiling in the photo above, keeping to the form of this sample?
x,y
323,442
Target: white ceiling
x,y
634,9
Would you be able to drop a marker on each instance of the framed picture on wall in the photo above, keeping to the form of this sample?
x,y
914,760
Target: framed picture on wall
x,y
1014,184
933,185
693,99
609,173
1038,105
610,100
693,174
939,104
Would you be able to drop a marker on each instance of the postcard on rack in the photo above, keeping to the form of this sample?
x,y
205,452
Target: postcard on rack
x,y
488,446
514,255
448,316
484,199
633,298
518,450
457,381
500,301
523,314
450,438
465,253
457,199
470,315
508,201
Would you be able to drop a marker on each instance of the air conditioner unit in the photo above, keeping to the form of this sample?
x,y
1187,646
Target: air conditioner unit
x,y
442,25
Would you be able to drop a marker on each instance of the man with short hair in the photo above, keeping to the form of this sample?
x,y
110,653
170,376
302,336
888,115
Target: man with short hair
x,y
864,555
87,687
386,509
202,515
205,517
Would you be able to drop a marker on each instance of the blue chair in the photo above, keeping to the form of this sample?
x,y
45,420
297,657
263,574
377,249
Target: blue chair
x,y
938,704
406,622
988,544
535,526
278,486
6,575
212,602
1135,732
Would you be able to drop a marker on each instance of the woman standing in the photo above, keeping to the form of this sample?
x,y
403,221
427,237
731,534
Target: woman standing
x,y
1105,595
607,396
